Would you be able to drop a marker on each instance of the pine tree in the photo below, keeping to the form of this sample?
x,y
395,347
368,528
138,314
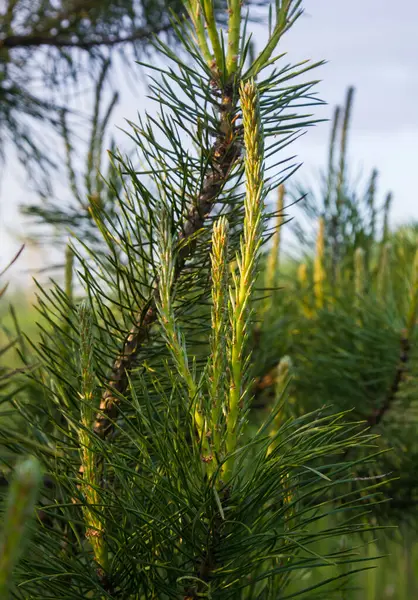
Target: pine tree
x,y
158,482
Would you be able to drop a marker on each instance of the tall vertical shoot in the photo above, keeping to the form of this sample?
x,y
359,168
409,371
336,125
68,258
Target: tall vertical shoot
x,y
243,280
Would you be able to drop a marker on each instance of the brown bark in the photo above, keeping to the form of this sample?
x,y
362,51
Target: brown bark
x,y
376,417
224,154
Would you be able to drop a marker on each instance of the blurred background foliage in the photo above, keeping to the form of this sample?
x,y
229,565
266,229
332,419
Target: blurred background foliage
x,y
49,49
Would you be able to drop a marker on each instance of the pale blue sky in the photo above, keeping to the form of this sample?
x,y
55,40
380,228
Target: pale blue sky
x,y
371,44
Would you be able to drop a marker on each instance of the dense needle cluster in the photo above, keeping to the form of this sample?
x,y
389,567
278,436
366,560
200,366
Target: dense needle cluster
x,y
161,483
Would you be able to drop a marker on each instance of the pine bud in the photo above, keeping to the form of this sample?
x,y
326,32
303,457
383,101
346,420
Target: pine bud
x,y
243,282
219,261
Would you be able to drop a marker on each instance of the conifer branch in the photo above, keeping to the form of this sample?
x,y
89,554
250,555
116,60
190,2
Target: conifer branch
x,y
217,373
243,282
173,336
343,150
213,33
331,156
413,300
387,205
287,12
405,349
377,416
45,39
68,273
225,152
194,9
91,475
340,199
234,27
371,199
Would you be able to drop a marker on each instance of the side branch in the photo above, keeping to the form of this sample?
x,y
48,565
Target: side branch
x,y
28,41
224,152
378,414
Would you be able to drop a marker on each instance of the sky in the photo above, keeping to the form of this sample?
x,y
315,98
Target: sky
x,y
370,44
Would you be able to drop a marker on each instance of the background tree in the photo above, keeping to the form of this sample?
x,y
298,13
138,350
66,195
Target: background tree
x,y
349,332
46,47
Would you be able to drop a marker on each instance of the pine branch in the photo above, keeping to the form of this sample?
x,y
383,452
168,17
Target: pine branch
x,y
28,41
219,314
225,152
407,334
379,414
243,281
